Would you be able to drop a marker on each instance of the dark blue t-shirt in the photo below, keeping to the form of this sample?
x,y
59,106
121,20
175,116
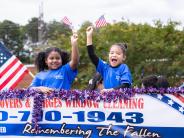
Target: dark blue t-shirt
x,y
114,76
61,78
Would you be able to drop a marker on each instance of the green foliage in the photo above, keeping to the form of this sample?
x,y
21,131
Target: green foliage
x,y
156,49
32,29
12,36
55,29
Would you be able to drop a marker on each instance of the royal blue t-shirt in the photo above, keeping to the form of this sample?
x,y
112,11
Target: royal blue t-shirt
x,y
61,78
114,76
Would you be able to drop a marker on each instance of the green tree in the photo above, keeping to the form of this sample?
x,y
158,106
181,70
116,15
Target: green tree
x,y
59,35
12,36
32,29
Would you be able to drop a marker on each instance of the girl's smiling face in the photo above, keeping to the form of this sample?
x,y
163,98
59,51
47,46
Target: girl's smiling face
x,y
116,56
53,60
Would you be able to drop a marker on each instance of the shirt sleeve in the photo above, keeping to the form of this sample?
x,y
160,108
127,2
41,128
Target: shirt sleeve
x,y
126,77
35,82
71,74
92,55
101,66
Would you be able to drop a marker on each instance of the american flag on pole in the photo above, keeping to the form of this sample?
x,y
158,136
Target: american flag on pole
x,y
11,69
101,22
66,21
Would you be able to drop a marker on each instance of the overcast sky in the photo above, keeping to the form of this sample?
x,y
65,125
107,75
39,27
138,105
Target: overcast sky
x,y
78,11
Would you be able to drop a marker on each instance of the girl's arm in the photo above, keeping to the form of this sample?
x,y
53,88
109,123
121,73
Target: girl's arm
x,y
90,48
75,52
92,55
42,89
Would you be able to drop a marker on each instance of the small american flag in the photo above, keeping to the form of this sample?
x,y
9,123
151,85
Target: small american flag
x,y
101,22
66,21
11,69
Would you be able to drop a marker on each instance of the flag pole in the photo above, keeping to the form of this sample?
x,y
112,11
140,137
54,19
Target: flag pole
x,y
31,74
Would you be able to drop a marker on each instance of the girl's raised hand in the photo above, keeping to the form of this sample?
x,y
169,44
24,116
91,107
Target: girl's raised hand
x,y
74,39
89,31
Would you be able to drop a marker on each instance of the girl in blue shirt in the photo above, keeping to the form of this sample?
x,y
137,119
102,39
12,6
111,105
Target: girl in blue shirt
x,y
55,72
116,74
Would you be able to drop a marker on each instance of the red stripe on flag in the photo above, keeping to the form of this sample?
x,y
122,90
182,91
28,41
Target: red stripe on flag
x,y
11,70
9,67
181,98
19,79
11,76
